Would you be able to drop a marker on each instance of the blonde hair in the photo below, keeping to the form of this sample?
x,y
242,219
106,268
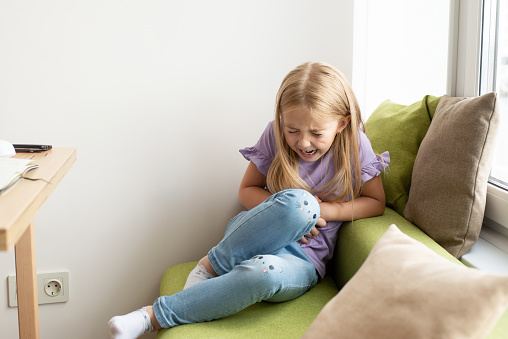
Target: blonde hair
x,y
324,92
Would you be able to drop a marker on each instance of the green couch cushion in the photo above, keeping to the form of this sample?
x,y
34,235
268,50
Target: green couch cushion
x,y
288,319
357,238
400,129
291,319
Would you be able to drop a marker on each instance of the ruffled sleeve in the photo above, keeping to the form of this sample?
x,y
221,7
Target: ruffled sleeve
x,y
371,163
375,167
263,152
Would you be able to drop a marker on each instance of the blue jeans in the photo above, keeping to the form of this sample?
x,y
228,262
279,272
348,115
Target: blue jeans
x,y
258,259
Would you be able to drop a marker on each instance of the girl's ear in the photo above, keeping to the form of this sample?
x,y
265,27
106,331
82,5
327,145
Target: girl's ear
x,y
343,123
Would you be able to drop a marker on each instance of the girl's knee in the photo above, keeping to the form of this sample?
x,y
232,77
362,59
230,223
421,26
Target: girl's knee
x,y
263,271
267,264
275,279
298,203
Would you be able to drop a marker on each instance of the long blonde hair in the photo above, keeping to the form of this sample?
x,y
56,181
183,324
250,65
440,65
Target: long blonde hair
x,y
323,91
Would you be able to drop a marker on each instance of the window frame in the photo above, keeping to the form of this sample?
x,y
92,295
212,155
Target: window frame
x,y
466,82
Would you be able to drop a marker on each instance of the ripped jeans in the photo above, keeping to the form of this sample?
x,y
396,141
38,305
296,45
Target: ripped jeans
x,y
258,259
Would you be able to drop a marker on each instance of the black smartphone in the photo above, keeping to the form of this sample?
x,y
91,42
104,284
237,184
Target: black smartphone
x,y
31,148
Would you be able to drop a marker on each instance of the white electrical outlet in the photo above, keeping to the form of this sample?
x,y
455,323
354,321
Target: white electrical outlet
x,y
51,288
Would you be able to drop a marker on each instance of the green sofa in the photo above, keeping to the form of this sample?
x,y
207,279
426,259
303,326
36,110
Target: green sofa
x,y
291,319
400,130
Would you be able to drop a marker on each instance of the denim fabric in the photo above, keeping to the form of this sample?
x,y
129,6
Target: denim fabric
x,y
258,259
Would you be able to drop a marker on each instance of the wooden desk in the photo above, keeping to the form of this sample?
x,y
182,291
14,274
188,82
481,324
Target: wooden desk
x,y
17,211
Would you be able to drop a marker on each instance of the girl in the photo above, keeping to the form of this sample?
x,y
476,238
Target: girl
x,y
312,168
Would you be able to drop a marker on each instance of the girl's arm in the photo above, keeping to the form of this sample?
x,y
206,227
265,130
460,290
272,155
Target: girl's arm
x,y
370,203
252,188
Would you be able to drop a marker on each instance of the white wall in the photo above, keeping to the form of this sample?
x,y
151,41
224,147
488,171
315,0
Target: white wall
x,y
157,96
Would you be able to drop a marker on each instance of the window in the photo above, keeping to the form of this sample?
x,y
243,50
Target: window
x,y
481,67
479,40
494,77
387,33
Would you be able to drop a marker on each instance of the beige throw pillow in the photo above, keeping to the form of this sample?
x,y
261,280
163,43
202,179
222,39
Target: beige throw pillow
x,y
405,290
450,173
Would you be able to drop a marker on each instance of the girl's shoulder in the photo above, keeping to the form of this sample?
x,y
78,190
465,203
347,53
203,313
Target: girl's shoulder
x,y
364,144
263,152
266,143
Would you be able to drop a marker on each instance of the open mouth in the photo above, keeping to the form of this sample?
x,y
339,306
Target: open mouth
x,y
309,153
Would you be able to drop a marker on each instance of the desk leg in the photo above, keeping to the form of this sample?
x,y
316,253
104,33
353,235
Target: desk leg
x,y
26,277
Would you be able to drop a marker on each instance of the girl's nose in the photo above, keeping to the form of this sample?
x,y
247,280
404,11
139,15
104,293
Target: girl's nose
x,y
304,142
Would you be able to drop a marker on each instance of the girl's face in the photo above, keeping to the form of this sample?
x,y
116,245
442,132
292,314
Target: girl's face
x,y
308,137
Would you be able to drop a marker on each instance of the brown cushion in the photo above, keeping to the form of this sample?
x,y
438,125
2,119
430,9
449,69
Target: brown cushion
x,y
405,290
450,173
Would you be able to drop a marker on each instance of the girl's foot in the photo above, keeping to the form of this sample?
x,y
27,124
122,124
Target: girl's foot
x,y
131,325
205,262
197,275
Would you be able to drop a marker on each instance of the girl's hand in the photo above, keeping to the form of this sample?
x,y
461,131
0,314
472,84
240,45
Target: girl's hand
x,y
314,231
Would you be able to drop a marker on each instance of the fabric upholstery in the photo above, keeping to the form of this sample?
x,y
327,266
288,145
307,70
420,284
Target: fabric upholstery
x,y
357,238
291,320
405,290
450,173
261,320
399,129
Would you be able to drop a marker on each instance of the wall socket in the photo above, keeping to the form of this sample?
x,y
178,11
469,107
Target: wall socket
x,y
51,288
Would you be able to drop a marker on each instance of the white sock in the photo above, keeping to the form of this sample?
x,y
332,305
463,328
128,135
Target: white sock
x,y
131,325
197,275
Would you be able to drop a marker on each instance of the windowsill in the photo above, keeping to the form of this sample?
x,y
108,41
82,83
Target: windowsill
x,y
496,209
490,253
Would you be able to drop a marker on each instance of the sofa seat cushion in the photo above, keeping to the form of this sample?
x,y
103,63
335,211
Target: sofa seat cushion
x,y
262,320
357,238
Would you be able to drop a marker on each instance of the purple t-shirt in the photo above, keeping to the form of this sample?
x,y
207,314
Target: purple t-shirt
x,y
317,174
